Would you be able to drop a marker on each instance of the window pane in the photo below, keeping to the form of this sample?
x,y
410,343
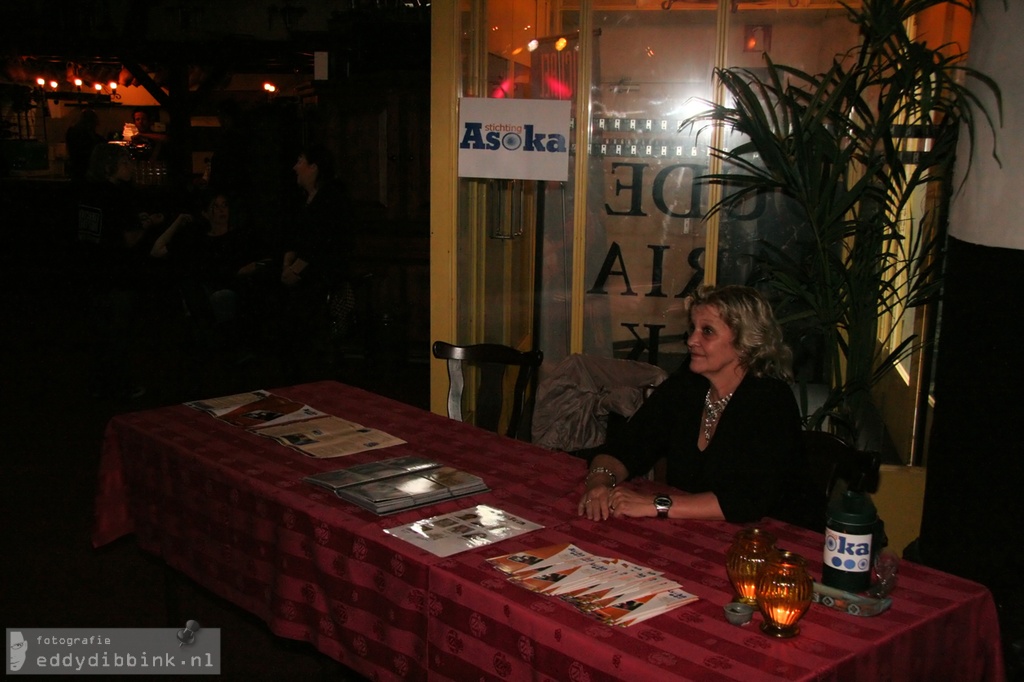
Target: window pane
x,y
645,234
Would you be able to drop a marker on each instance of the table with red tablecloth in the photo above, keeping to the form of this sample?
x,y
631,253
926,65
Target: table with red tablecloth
x,y
228,508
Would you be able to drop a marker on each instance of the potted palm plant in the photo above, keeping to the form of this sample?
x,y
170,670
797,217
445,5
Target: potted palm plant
x,y
848,151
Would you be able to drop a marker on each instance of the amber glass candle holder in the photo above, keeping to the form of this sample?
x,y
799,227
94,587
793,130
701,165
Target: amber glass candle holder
x,y
748,554
784,593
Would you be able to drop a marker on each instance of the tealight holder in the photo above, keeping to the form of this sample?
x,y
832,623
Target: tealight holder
x,y
784,593
748,554
738,613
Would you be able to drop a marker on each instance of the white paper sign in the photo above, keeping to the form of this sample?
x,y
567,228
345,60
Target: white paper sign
x,y
520,139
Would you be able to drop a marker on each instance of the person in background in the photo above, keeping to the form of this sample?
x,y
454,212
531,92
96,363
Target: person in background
x,y
143,122
113,232
316,248
315,263
81,138
216,261
147,144
728,424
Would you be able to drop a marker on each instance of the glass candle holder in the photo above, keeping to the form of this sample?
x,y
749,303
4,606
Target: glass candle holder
x,y
748,554
784,593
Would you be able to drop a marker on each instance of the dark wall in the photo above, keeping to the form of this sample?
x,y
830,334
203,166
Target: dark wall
x,y
973,518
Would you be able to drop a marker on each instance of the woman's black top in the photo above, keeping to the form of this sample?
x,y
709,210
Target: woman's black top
x,y
755,463
322,239
214,260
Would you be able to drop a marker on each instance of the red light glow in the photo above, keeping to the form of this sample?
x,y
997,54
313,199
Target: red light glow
x,y
558,88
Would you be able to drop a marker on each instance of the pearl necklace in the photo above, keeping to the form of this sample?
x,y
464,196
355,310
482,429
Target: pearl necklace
x,y
712,413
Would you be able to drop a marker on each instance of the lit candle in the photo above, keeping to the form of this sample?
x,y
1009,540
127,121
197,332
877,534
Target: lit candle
x,y
744,560
784,594
784,615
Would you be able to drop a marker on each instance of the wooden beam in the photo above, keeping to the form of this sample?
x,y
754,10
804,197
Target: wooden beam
x,y
151,86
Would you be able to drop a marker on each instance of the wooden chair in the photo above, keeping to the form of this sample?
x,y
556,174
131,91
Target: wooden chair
x,y
832,461
492,361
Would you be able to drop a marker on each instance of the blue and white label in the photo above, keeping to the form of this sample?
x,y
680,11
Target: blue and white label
x,y
845,552
514,139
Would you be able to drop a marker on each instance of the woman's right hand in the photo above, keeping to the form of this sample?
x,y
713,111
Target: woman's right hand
x,y
594,503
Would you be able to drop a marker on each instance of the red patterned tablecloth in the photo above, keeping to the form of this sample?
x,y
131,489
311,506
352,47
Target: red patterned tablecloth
x,y
228,508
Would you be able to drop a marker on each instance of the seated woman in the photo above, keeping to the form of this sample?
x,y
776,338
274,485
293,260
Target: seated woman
x,y
728,425
217,261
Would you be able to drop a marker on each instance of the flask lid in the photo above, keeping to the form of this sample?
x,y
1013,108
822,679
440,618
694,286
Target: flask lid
x,y
854,508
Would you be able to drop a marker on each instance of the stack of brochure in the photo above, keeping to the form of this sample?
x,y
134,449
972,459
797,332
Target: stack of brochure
x,y
615,591
398,484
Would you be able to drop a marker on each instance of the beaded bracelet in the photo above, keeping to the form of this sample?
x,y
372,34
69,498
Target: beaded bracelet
x,y
606,471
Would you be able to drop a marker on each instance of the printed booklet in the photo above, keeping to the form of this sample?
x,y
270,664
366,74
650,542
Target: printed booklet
x,y
328,436
397,484
447,534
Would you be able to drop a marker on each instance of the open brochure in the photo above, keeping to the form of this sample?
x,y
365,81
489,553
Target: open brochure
x,y
613,590
297,425
447,534
328,436
397,484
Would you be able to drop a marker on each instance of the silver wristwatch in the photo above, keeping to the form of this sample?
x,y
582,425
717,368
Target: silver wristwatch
x,y
662,503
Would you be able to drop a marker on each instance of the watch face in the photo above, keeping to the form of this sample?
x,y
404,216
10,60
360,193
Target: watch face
x,y
662,502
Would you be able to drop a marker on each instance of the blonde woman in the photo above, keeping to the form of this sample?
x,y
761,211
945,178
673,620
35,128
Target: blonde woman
x,y
728,425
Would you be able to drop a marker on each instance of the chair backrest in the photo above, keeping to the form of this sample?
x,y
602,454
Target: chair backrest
x,y
832,461
493,360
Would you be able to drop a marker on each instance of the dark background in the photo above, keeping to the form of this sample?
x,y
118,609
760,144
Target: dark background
x,y
53,430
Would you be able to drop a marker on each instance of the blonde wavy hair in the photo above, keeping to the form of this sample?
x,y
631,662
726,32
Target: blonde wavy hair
x,y
757,336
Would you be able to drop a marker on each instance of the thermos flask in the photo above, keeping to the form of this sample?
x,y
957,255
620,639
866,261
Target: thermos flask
x,y
853,535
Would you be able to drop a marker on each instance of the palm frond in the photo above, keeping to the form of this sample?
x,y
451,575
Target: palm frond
x,y
835,146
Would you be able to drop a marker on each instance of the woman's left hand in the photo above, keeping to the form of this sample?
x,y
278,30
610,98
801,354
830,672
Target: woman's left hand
x,y
624,502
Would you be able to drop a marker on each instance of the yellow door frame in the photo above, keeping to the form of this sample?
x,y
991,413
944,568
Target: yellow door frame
x,y
445,75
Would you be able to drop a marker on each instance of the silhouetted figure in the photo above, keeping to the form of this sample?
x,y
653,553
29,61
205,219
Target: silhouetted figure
x,y
146,144
81,138
112,227
315,263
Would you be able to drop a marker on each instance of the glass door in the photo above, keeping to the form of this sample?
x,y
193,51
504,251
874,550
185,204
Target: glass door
x,y
607,274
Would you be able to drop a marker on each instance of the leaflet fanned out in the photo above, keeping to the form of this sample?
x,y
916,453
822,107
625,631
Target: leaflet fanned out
x,y
615,591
